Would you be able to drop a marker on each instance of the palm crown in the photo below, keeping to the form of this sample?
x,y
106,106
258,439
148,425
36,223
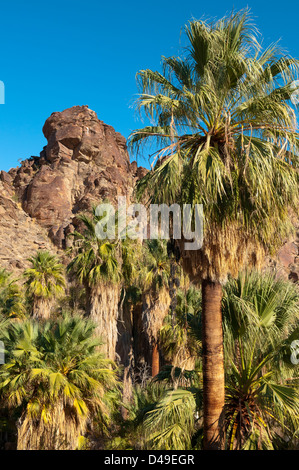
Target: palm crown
x,y
95,259
228,140
45,278
11,301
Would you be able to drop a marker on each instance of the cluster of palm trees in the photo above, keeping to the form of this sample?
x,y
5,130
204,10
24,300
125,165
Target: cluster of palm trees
x,y
261,410
147,343
61,344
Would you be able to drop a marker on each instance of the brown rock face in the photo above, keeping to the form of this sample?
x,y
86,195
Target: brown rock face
x,y
286,264
85,162
20,236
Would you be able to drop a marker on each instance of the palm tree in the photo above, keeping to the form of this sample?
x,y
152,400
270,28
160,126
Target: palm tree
x,y
129,313
11,298
180,346
44,282
262,400
228,140
58,381
156,298
131,434
170,425
96,266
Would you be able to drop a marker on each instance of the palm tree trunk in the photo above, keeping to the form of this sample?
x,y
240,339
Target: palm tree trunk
x,y
155,359
102,308
213,366
125,351
155,308
41,308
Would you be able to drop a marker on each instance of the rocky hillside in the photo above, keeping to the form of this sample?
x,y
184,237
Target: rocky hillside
x,y
84,162
20,235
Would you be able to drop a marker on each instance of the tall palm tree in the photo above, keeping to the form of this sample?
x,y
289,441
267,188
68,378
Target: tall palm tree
x,y
129,313
156,298
57,380
44,282
96,266
227,131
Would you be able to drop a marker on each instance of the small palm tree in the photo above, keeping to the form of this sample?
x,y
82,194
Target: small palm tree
x,y
170,425
178,342
57,380
11,298
156,298
44,282
222,118
96,266
160,418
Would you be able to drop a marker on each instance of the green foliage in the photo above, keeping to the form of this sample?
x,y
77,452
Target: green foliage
x,y
159,419
11,296
223,118
156,266
57,380
170,425
132,263
260,320
182,333
130,435
262,400
95,259
45,279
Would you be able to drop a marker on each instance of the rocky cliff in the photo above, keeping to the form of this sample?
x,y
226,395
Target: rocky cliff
x,y
20,235
84,162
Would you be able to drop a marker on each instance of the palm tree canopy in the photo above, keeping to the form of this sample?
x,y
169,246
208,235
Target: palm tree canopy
x,y
222,116
56,376
260,321
95,259
45,279
96,264
156,266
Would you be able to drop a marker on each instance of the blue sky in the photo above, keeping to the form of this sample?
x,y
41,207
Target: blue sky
x,y
59,54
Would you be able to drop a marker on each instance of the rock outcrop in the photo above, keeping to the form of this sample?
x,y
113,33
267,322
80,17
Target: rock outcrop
x,y
20,235
286,263
84,163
